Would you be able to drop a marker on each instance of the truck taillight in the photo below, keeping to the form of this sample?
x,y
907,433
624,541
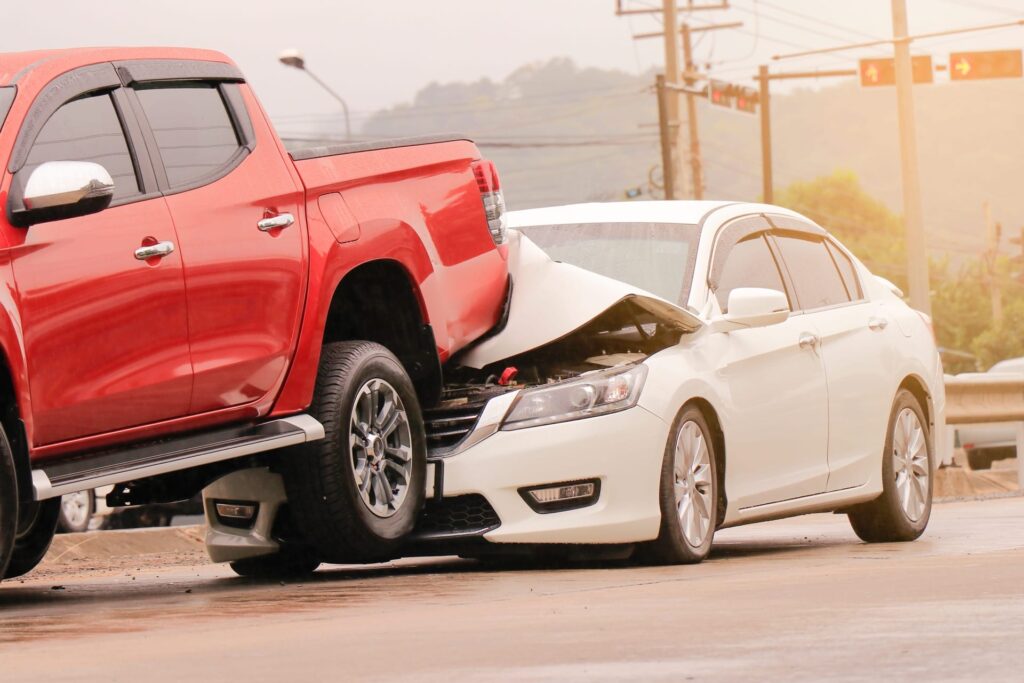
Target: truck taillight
x,y
494,201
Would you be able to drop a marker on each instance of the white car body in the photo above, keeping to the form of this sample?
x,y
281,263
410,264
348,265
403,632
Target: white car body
x,y
804,429
992,437
802,405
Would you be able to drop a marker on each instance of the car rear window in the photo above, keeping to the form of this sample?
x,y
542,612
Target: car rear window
x,y
6,100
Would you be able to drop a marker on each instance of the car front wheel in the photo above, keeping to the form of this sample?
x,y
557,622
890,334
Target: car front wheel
x,y
688,493
901,513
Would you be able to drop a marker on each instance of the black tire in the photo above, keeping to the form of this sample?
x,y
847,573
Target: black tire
x,y
37,525
672,545
885,519
320,478
68,522
287,564
8,503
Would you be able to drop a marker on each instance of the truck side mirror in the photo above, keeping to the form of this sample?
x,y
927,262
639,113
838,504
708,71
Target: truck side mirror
x,y
56,190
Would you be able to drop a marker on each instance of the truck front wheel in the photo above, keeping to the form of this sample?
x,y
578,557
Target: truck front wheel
x,y
357,493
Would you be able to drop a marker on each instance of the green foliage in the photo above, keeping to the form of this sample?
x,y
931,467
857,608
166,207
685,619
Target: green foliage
x,y
961,296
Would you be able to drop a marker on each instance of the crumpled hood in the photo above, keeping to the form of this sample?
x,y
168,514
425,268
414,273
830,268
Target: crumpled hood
x,y
551,300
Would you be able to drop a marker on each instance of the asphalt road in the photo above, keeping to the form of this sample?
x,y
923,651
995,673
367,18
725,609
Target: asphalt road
x,y
798,599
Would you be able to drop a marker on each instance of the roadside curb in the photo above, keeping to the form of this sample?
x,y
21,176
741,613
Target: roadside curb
x,y
94,545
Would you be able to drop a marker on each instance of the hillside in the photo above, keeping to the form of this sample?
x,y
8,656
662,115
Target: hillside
x,y
565,134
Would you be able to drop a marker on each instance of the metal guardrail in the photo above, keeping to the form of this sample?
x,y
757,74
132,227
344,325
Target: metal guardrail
x,y
986,398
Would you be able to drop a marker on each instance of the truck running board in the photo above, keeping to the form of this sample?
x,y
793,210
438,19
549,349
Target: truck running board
x,y
148,460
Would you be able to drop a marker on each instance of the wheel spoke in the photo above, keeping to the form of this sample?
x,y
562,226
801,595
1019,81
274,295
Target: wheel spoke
x,y
702,475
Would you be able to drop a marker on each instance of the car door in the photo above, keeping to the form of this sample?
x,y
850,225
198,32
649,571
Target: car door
x,y
244,277
106,336
775,382
856,345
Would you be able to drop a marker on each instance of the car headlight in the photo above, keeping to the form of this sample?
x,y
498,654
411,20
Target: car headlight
x,y
595,393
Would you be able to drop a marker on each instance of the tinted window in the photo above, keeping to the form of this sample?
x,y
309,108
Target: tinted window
x,y
656,257
846,271
87,129
814,274
193,130
748,264
6,99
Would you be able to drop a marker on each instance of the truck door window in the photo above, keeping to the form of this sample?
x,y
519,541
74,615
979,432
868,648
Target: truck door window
x,y
87,129
193,130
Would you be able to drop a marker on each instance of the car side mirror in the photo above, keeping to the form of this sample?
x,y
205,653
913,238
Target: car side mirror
x,y
61,189
752,307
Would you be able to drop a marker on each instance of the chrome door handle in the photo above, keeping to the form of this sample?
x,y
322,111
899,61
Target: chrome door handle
x,y
159,249
282,220
877,324
808,340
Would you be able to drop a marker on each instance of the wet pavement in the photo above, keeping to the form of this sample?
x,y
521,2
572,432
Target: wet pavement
x,y
798,599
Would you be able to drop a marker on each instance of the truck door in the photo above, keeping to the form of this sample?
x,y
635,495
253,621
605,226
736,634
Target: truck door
x,y
106,336
235,204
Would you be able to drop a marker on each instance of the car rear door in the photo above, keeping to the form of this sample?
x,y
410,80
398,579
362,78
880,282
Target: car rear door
x,y
857,344
775,380
106,336
235,204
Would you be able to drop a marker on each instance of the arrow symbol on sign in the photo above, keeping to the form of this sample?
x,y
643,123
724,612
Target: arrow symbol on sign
x,y
963,66
872,73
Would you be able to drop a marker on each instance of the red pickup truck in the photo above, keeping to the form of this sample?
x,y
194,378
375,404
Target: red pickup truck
x,y
180,295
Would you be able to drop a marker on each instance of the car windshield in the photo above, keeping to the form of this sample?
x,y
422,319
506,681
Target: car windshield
x,y
657,257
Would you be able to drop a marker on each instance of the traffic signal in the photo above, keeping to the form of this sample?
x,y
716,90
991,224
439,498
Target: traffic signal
x,y
976,66
747,99
882,70
720,93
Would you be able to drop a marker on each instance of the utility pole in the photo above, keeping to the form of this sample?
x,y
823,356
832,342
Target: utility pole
x,y
664,126
696,172
917,254
764,101
670,18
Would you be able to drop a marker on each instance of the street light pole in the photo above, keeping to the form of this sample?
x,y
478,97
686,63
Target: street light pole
x,y
294,59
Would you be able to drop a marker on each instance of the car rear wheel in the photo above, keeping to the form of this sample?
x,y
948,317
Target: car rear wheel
x,y
358,492
688,493
8,503
76,511
901,513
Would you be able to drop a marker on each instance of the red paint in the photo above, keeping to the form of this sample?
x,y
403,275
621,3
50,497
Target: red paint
x,y
104,349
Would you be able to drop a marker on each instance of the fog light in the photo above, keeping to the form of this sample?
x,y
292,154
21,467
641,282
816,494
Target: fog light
x,y
240,515
560,497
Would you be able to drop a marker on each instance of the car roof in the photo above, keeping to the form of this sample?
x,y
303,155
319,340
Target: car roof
x,y
681,212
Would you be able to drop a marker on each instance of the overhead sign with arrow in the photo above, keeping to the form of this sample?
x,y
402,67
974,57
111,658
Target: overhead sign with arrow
x,y
976,66
882,71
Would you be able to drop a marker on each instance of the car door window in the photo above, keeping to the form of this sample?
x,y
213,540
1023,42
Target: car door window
x,y
193,130
87,129
814,275
846,270
750,263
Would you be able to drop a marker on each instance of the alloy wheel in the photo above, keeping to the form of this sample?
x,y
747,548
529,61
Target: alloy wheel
x,y
910,464
380,444
693,485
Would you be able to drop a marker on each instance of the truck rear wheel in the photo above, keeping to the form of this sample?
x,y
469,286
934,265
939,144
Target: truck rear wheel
x,y
8,503
358,492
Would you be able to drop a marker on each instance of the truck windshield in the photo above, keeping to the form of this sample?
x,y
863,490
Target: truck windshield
x,y
657,257
6,99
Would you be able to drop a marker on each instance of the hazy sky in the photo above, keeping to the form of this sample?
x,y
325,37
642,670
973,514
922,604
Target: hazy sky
x,y
380,52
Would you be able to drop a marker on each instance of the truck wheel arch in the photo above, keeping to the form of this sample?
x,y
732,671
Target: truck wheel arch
x,y
378,301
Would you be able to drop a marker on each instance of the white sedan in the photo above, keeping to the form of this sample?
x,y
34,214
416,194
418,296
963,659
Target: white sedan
x,y
673,368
